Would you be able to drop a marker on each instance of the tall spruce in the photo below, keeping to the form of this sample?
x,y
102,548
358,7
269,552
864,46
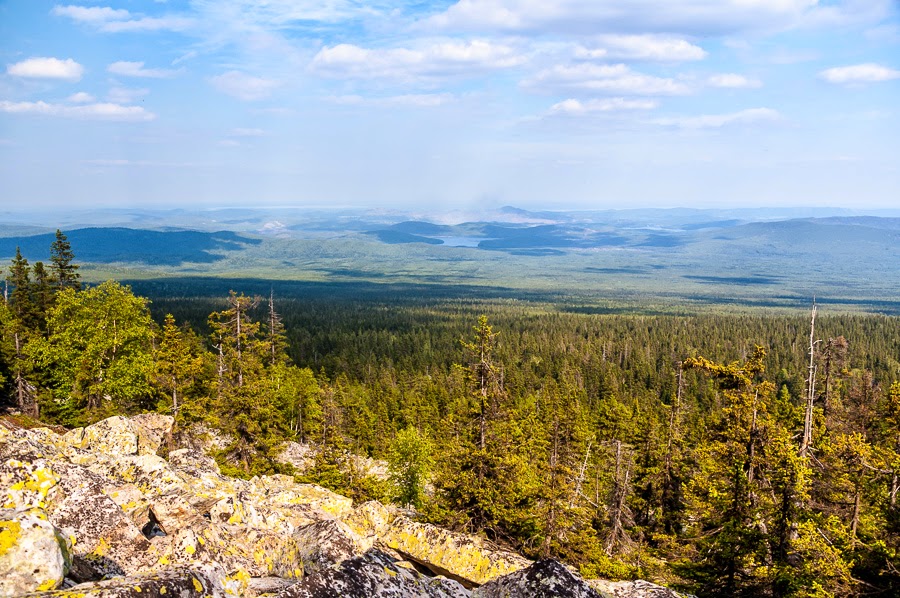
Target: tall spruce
x,y
64,271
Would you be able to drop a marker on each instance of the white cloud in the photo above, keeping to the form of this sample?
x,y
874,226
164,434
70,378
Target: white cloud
x,y
700,17
47,68
81,97
144,24
243,86
859,74
732,81
413,100
595,78
715,121
126,95
659,48
246,132
90,14
112,20
136,69
101,111
573,107
434,60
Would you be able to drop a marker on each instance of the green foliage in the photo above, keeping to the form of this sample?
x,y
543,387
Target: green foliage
x,y
411,462
98,351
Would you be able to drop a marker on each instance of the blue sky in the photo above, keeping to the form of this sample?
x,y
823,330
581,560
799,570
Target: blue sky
x,y
534,103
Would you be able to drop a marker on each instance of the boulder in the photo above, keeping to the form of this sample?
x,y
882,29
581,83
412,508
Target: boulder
x,y
105,540
152,429
543,579
301,456
193,463
326,543
238,549
194,582
371,519
464,558
633,589
112,436
33,554
373,575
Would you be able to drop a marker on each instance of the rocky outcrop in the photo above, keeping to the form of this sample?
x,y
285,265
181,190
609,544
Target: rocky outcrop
x,y
96,512
543,579
373,575
633,589
458,556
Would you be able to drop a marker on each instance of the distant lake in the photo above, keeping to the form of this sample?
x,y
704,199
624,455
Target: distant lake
x,y
461,241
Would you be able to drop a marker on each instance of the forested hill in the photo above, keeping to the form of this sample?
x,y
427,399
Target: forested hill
x,y
151,247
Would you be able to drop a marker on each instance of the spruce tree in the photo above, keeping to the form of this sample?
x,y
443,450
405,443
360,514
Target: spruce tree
x,y
64,272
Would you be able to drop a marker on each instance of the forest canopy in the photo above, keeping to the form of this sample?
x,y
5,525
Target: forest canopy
x,y
729,456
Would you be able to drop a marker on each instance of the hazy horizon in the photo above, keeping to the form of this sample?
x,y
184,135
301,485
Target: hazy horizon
x,y
465,104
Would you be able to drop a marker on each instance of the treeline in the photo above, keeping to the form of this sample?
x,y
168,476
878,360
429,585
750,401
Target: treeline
x,y
709,452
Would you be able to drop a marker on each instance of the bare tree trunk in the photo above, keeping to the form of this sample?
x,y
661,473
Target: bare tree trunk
x,y
806,443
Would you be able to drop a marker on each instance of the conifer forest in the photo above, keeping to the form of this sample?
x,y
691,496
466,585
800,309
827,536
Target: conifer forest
x,y
723,454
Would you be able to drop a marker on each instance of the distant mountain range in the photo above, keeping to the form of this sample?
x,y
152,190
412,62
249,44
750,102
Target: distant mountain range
x,y
748,257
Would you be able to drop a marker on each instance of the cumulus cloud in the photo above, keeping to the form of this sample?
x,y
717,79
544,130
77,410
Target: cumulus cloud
x,y
732,81
136,69
434,60
699,17
100,111
858,74
243,86
47,68
112,20
603,79
81,97
715,121
658,48
573,107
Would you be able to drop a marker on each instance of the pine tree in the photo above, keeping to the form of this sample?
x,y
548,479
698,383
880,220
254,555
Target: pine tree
x,y
64,272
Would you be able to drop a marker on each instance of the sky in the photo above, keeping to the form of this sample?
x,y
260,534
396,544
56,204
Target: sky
x,y
550,104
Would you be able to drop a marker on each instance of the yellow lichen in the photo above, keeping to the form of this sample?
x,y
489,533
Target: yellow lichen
x,y
50,584
9,535
197,585
190,549
162,590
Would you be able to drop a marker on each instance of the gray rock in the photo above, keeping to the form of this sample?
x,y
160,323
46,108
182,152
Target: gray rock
x,y
326,543
543,579
464,558
373,575
33,554
633,589
175,582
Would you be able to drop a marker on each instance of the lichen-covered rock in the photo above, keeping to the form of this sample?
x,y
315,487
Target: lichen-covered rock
x,y
370,521
152,430
27,485
112,436
458,556
106,541
373,575
326,543
320,502
236,548
192,462
543,579
194,582
633,589
198,437
33,554
301,456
